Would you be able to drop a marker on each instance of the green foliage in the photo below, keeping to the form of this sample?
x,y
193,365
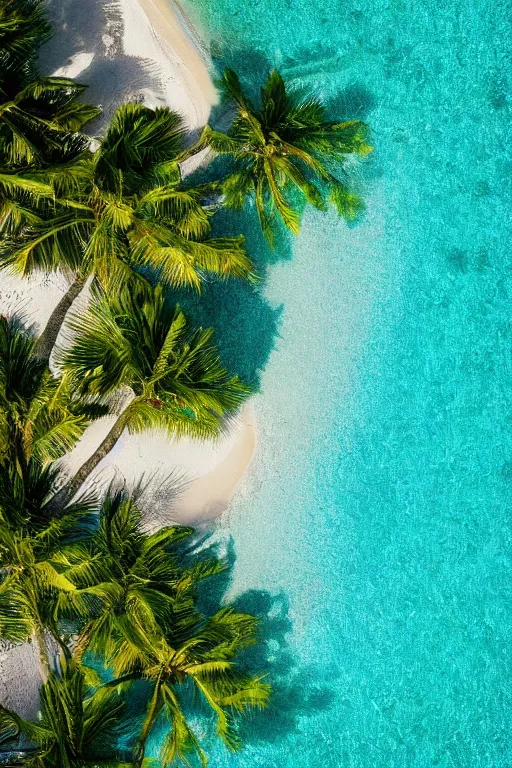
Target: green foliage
x,y
286,149
39,116
23,28
39,123
142,341
133,599
123,209
198,651
77,727
37,553
133,580
41,416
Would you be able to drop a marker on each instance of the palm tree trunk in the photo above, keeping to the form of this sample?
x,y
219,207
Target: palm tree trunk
x,y
66,493
54,630
39,641
149,722
196,147
47,339
82,642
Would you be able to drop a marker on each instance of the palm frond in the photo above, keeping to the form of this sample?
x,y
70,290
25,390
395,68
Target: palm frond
x,y
48,245
180,741
290,217
220,142
137,140
23,29
101,358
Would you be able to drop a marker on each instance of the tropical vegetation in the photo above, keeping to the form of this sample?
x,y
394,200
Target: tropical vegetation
x,y
286,151
40,117
127,649
78,725
115,212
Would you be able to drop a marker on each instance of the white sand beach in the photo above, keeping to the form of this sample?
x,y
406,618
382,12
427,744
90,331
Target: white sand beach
x,y
130,50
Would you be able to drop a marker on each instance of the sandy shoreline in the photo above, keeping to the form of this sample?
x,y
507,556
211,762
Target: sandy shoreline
x,y
182,53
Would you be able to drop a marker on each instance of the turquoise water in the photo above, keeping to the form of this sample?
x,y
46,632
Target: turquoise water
x,y
375,528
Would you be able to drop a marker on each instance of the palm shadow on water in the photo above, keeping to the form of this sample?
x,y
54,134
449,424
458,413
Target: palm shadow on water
x,y
246,324
298,690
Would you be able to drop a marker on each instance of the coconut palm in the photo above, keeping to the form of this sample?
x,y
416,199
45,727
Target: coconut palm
x,y
23,29
286,145
41,417
38,556
40,420
136,578
78,726
39,122
196,655
39,116
142,342
124,207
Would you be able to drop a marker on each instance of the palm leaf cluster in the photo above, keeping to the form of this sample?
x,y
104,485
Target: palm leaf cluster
x,y
78,726
126,599
23,29
40,117
287,145
142,342
41,415
85,574
37,556
147,626
123,209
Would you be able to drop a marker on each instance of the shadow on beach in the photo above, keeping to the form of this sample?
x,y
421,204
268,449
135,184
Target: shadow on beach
x,y
89,27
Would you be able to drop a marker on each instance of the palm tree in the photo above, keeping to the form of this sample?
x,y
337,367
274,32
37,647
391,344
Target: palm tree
x,y
142,342
135,579
78,726
41,417
40,420
196,654
23,28
39,116
39,122
285,145
38,557
123,207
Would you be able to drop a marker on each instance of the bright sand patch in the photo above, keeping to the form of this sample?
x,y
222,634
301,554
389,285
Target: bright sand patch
x,y
180,45
180,481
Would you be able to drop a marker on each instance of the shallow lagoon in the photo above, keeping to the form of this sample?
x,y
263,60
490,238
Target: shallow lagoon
x,y
377,514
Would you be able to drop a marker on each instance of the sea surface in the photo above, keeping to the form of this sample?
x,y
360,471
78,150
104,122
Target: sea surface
x,y
373,534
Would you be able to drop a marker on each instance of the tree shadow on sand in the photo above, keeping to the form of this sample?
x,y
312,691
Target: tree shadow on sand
x,y
245,324
92,28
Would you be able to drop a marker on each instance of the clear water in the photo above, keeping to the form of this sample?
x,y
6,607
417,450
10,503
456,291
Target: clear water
x,y
375,531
